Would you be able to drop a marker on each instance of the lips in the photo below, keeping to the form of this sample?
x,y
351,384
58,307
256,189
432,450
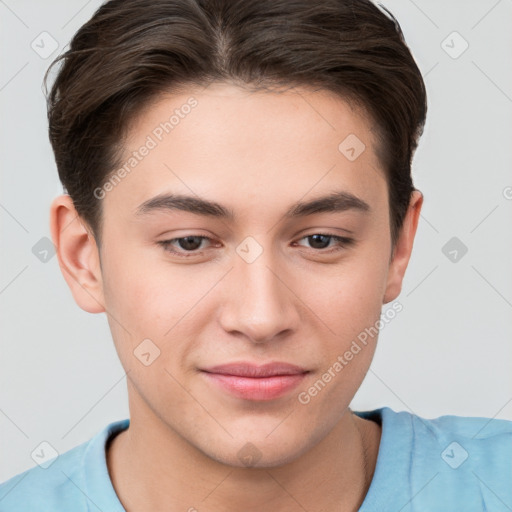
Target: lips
x,y
256,382
243,369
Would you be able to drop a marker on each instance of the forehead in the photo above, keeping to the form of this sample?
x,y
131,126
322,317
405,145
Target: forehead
x,y
246,148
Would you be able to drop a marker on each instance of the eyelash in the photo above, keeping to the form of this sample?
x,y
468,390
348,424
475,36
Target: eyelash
x,y
343,242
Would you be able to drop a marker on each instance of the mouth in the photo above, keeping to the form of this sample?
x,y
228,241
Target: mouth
x,y
252,382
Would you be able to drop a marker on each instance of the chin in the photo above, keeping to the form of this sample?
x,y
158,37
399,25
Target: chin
x,y
258,452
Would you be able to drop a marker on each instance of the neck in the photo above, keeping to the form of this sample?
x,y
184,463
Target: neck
x,y
154,468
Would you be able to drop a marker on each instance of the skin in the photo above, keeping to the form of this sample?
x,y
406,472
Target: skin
x,y
256,153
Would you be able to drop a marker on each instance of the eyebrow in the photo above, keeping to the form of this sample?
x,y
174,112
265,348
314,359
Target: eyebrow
x,y
335,202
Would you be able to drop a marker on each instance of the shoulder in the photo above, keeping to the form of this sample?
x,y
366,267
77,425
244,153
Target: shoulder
x,y
58,481
472,455
472,442
68,481
446,463
482,436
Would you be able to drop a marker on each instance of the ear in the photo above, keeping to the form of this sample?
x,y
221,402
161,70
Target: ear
x,y
78,255
403,248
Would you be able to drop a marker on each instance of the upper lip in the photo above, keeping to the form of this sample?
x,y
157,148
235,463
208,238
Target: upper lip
x,y
246,369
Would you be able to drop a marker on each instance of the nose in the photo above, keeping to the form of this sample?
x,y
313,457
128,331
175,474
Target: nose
x,y
260,301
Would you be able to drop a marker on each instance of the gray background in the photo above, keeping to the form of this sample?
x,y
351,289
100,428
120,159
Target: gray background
x,y
447,352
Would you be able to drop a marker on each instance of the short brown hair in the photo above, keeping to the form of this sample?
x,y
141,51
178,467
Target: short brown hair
x,y
131,51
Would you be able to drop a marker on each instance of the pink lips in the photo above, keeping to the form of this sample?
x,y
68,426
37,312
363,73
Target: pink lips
x,y
253,382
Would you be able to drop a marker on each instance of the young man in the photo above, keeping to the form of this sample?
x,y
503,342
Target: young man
x,y
240,205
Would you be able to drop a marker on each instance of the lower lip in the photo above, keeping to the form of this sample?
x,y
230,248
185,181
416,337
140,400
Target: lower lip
x,y
251,388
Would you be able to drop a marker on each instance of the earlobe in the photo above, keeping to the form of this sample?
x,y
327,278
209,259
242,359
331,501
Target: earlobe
x,y
77,254
403,248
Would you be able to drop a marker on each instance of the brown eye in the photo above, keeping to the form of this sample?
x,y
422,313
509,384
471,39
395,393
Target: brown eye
x,y
190,243
319,241
322,241
184,246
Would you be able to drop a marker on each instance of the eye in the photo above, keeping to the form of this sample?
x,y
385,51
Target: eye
x,y
187,244
322,241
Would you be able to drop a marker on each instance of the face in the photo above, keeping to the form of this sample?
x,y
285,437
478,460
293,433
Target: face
x,y
255,230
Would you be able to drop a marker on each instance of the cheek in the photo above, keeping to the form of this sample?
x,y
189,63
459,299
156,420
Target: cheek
x,y
349,299
158,301
134,307
350,306
141,292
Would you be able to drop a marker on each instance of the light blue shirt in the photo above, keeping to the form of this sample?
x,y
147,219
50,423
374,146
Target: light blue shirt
x,y
448,464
